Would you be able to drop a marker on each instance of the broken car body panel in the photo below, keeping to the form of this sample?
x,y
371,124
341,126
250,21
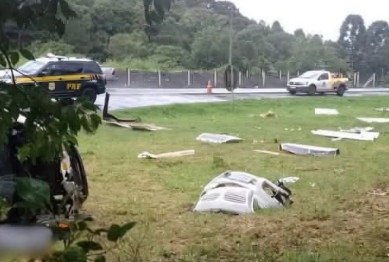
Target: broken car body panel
x,y
308,150
362,136
239,193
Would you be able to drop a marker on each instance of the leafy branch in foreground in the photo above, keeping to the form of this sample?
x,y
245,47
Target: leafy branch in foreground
x,y
46,126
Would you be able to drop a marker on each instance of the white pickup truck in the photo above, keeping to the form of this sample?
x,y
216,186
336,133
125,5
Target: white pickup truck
x,y
319,81
109,72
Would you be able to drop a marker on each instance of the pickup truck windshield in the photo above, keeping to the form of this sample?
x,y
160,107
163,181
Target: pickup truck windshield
x,y
310,75
31,67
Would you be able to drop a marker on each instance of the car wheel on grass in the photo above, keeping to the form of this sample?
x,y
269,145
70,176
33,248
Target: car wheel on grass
x,y
292,92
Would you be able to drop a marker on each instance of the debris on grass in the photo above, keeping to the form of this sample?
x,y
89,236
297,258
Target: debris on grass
x,y
136,126
373,119
382,109
357,130
218,138
308,150
237,192
326,111
147,155
362,136
293,129
267,152
268,114
146,127
379,193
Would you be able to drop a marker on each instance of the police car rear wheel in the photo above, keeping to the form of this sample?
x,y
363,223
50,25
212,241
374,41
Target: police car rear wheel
x,y
90,94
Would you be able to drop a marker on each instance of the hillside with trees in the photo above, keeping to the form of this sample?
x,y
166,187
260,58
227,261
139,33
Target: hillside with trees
x,y
195,35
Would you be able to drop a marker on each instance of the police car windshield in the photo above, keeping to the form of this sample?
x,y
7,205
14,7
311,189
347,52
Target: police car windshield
x,y
31,67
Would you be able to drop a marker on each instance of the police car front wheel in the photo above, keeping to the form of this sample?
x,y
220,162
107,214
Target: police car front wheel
x,y
90,94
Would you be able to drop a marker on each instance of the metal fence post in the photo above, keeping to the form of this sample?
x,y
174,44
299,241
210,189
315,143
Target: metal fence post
x,y
159,78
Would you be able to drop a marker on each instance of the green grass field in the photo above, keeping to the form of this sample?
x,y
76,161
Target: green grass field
x,y
334,220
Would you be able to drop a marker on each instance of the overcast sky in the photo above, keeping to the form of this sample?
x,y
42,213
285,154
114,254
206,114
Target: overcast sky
x,y
314,17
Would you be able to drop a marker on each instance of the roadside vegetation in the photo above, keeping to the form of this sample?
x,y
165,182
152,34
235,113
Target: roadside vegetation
x,y
195,35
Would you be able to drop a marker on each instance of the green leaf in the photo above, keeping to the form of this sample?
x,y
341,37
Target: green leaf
x,y
14,57
33,192
74,254
3,62
82,226
100,259
95,121
89,246
125,228
114,233
27,54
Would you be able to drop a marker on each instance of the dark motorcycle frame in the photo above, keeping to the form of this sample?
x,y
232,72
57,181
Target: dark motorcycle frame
x,y
49,172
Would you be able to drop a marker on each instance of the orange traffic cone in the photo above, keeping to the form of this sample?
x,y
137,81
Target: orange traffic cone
x,y
209,87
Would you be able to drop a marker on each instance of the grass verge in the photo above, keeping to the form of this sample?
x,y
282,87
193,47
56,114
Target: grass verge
x,y
333,217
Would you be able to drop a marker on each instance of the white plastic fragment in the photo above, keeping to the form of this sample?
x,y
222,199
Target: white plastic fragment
x,y
267,152
382,109
357,130
373,119
289,179
217,138
362,136
299,149
326,111
147,155
239,192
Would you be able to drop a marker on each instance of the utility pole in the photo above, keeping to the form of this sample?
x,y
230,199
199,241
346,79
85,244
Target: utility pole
x,y
230,54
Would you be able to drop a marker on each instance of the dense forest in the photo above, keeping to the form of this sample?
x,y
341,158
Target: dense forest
x,y
196,35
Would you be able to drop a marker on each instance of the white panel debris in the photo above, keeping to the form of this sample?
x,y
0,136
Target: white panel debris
x,y
362,136
217,138
148,155
382,109
326,111
239,192
135,126
373,119
299,149
358,130
267,152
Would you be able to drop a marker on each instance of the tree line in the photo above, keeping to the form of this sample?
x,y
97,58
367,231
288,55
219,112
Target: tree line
x,y
196,33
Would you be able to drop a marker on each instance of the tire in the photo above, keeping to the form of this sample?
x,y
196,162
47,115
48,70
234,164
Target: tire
x,y
312,90
292,92
80,175
90,94
341,90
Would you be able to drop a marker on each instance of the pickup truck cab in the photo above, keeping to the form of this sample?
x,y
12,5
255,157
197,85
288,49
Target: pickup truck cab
x,y
318,81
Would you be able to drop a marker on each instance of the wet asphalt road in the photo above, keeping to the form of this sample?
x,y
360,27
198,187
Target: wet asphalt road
x,y
122,98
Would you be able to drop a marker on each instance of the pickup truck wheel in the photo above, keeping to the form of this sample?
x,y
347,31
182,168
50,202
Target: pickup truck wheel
x,y
89,93
341,90
312,90
292,92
